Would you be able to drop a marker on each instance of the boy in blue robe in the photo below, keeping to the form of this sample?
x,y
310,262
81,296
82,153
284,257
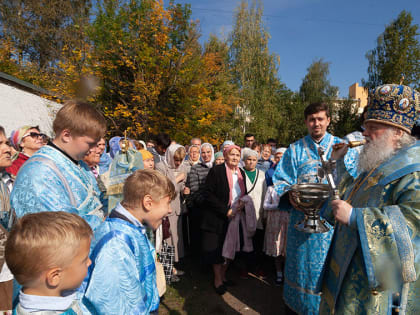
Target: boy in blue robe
x,y
55,178
122,278
48,254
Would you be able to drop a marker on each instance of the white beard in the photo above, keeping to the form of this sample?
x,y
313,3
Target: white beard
x,y
376,152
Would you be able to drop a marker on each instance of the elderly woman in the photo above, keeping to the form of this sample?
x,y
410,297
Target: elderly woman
x,y
264,163
174,168
256,189
194,154
224,185
194,192
27,140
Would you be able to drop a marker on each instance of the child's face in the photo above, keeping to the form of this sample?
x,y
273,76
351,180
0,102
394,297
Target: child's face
x,y
73,274
159,210
79,146
149,164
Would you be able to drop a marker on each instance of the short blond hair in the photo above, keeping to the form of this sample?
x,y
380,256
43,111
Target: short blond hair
x,y
81,118
44,240
146,182
180,153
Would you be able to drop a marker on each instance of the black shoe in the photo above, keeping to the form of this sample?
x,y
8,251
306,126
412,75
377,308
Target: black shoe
x,y
229,283
175,279
179,272
279,280
221,289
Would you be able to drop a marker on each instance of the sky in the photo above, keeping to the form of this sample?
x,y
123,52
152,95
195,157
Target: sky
x,y
339,31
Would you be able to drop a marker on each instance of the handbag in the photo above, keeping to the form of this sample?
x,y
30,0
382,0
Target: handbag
x,y
160,278
166,257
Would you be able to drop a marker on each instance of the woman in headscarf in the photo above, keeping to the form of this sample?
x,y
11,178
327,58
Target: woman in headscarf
x,y
194,193
26,140
256,188
224,185
115,145
105,160
218,158
194,155
174,168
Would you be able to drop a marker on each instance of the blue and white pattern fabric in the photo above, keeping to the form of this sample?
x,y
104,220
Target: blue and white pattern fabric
x,y
50,181
306,253
380,244
122,279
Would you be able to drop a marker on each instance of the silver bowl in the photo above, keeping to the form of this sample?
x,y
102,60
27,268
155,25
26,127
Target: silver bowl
x,y
310,198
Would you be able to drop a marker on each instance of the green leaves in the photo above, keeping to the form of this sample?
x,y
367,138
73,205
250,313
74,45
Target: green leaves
x,y
397,53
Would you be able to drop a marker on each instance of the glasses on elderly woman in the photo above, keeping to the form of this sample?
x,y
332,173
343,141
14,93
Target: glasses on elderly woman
x,y
35,135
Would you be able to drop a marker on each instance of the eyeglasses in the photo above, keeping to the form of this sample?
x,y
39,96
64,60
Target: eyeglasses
x,y
35,135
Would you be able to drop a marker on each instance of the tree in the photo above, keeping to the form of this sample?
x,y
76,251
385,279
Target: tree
x,y
316,86
254,72
346,118
40,29
292,127
397,53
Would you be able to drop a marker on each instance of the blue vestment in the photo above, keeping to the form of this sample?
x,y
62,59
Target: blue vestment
x,y
50,181
377,257
123,275
306,252
104,162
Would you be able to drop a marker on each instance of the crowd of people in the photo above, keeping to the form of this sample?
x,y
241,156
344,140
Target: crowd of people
x,y
90,226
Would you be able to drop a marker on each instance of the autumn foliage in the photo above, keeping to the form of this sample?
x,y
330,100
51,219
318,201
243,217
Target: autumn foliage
x,y
152,73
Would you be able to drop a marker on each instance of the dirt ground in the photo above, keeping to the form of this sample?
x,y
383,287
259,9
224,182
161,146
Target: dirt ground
x,y
194,294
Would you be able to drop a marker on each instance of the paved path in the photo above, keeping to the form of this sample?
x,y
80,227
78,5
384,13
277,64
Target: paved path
x,y
194,294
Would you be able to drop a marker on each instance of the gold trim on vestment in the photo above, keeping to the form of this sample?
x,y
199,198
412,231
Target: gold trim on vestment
x,y
300,289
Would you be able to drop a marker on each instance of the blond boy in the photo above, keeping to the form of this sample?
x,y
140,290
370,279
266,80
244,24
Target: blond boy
x,y
48,254
123,278
55,177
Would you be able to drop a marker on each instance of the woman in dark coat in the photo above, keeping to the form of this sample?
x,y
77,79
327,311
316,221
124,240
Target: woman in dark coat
x,y
224,184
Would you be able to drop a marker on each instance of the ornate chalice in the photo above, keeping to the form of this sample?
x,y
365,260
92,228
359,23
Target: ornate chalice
x,y
310,198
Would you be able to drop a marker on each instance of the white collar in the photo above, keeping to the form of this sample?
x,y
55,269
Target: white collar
x,y
121,210
33,303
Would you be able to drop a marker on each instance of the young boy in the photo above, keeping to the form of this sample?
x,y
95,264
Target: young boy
x,y
48,253
123,278
54,177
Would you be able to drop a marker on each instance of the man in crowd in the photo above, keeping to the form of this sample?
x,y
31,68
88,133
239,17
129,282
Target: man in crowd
x,y
196,141
249,140
306,252
163,141
374,258
55,178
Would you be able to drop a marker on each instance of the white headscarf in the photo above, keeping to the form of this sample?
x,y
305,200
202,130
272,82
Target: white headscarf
x,y
206,144
281,150
247,152
169,154
189,154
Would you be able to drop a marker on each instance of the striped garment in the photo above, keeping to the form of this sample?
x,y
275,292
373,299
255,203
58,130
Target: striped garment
x,y
195,181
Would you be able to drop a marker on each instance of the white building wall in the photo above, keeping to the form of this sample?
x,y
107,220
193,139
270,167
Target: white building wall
x,y
19,107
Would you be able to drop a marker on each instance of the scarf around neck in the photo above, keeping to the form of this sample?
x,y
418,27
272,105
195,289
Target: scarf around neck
x,y
230,182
